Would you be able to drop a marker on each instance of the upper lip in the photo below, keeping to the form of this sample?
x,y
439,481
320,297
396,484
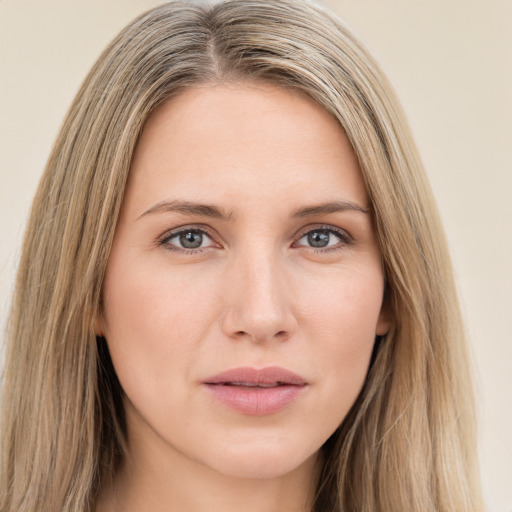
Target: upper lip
x,y
271,375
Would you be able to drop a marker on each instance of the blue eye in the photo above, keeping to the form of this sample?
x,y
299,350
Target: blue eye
x,y
321,238
191,240
188,240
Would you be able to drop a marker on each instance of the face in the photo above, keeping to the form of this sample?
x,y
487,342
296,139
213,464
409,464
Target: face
x,y
244,288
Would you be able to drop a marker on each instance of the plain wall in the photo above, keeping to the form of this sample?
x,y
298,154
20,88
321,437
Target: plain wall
x,y
451,63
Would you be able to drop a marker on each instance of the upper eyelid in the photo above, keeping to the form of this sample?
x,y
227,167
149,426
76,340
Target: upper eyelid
x,y
343,233
164,240
166,236
176,231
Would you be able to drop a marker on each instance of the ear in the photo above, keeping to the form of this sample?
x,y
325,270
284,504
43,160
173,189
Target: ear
x,y
99,324
385,319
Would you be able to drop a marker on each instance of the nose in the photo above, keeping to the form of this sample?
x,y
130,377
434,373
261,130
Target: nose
x,y
258,304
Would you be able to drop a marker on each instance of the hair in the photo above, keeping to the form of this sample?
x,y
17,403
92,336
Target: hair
x,y
408,443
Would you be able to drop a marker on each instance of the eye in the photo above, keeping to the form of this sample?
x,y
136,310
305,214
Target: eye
x,y
324,238
188,240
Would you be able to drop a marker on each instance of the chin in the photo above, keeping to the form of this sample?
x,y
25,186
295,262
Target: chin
x,y
263,463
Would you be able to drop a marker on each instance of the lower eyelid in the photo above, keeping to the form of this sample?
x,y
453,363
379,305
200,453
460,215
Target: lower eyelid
x,y
345,239
166,238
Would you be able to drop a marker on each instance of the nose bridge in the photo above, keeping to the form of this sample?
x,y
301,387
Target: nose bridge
x,y
258,305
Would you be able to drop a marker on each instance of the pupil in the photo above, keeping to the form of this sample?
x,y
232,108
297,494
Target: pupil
x,y
191,240
318,238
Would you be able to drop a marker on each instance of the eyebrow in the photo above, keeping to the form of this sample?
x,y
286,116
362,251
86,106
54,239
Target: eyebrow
x,y
188,208
330,207
208,210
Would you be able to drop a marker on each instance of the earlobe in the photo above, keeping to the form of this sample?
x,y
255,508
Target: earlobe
x,y
99,325
384,321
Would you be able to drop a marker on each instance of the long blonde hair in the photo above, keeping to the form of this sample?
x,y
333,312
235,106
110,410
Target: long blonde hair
x,y
408,443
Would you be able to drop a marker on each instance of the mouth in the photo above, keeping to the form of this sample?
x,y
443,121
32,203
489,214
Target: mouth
x,y
271,376
250,384
256,392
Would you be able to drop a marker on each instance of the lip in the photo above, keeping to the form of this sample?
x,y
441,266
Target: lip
x,y
256,392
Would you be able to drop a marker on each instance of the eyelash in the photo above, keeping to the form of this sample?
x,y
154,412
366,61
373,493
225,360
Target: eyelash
x,y
345,239
164,240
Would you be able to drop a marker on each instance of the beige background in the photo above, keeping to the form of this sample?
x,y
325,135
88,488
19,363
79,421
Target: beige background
x,y
451,62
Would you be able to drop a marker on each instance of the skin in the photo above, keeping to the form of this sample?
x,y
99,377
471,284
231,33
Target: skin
x,y
255,294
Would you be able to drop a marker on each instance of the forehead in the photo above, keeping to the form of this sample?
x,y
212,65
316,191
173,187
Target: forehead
x,y
246,141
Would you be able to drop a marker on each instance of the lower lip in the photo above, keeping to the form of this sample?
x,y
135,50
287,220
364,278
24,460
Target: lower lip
x,y
256,401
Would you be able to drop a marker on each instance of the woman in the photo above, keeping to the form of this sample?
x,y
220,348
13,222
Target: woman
x,y
234,290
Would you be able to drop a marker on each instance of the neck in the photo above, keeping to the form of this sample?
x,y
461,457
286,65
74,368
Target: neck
x,y
157,478
133,491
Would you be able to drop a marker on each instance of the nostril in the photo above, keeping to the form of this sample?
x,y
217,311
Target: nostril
x,y
278,335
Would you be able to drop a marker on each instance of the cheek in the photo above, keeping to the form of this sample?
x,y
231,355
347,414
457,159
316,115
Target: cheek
x,y
343,305
164,324
340,316
155,320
